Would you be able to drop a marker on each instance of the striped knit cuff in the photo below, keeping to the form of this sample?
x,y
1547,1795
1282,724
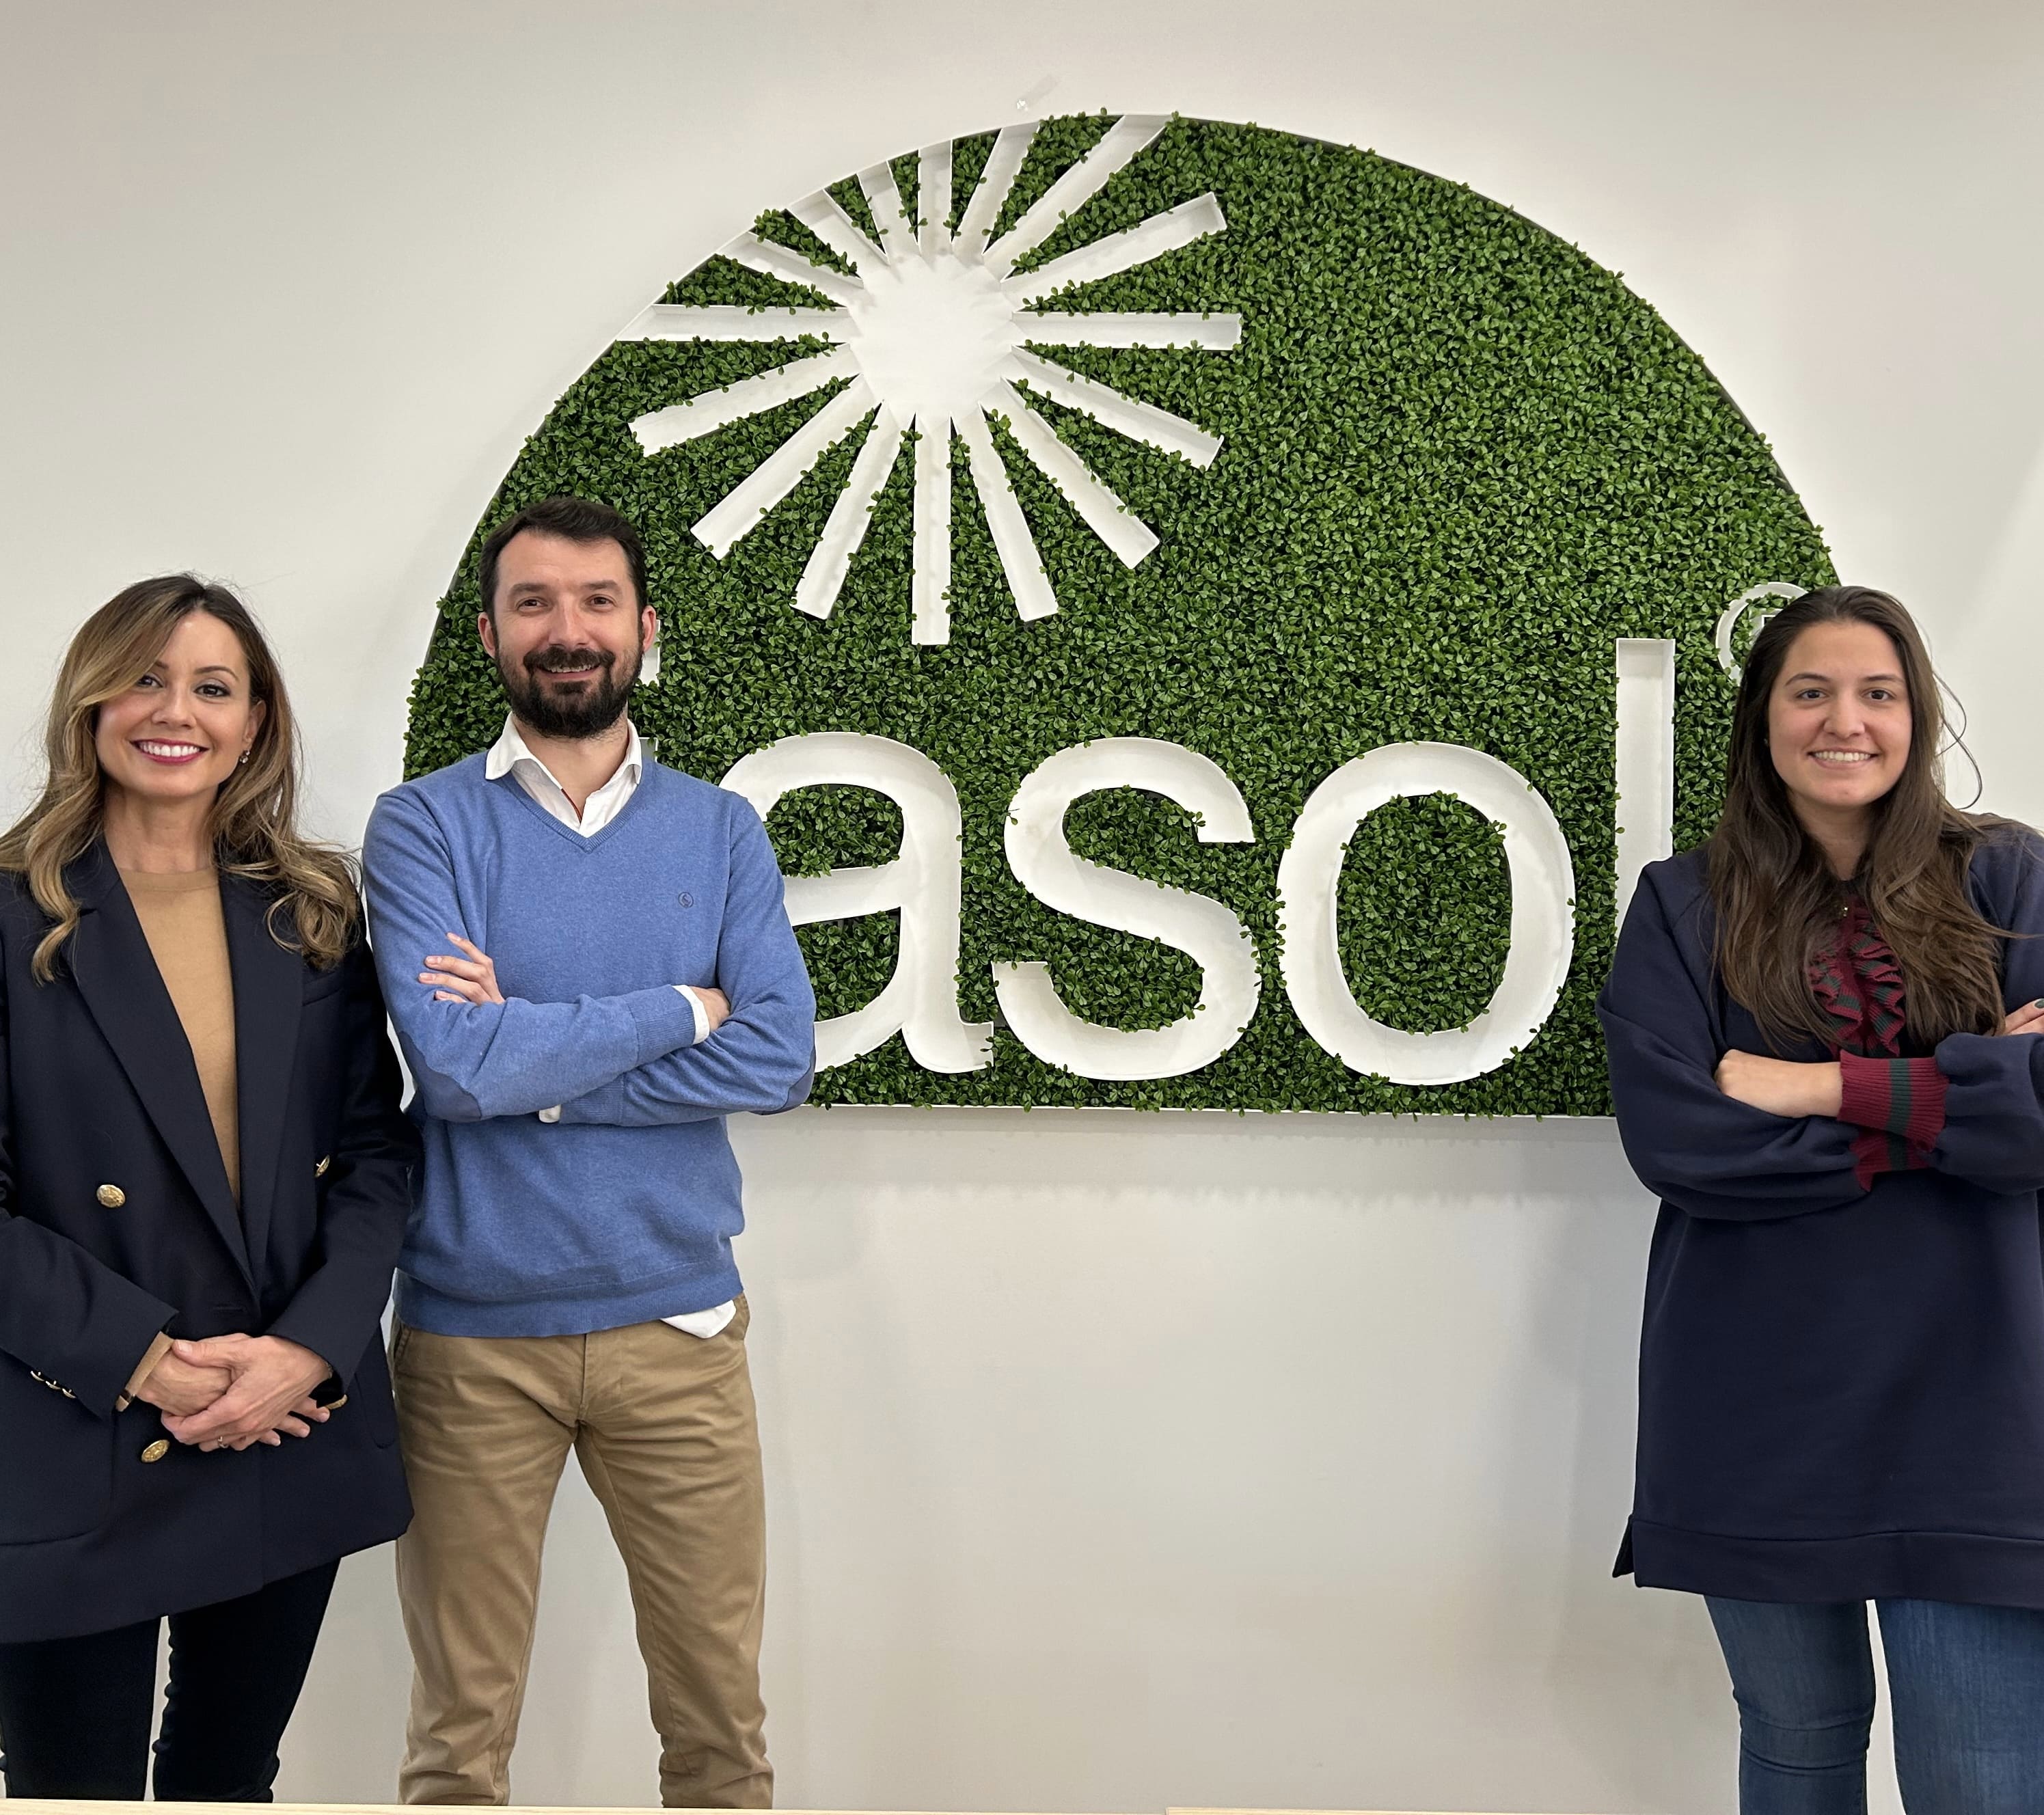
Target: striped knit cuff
x,y
1901,1097
1874,1151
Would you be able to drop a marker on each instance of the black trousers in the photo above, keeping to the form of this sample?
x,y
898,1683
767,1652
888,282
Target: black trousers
x,y
75,1713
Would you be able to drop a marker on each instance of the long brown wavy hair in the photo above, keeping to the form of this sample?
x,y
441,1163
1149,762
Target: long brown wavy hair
x,y
1776,898
255,814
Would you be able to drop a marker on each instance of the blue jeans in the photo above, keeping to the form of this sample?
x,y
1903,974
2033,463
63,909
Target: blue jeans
x,y
1966,1685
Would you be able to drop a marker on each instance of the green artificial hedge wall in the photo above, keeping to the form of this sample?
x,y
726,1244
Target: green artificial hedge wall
x,y
1460,460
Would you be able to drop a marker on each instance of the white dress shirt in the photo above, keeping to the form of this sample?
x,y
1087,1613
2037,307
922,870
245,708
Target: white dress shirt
x,y
511,755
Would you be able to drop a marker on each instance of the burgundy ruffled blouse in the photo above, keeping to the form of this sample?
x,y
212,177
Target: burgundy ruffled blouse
x,y
1897,1104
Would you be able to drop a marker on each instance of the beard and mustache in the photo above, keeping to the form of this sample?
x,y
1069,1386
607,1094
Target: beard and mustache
x,y
588,711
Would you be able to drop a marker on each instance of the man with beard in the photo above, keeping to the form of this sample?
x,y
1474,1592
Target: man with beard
x,y
590,966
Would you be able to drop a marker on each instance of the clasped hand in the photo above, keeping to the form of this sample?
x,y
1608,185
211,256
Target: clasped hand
x,y
1794,1088
474,979
228,1392
1782,1086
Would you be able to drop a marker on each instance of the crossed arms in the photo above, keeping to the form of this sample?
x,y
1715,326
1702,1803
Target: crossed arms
x,y
628,1060
1740,1136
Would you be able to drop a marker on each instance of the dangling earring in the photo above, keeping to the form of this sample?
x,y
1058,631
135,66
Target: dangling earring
x,y
244,763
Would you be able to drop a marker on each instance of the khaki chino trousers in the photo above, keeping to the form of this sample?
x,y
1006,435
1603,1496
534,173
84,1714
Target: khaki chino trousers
x,y
663,1425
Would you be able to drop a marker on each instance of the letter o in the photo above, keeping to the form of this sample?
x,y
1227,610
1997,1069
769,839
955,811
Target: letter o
x,y
1543,934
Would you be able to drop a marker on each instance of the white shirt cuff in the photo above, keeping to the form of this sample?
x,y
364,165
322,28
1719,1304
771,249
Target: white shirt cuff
x,y
701,1013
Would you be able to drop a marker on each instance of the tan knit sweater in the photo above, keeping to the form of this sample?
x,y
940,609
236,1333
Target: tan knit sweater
x,y
187,934
181,918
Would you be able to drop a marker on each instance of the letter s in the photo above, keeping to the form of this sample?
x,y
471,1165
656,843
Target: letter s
x,y
1206,931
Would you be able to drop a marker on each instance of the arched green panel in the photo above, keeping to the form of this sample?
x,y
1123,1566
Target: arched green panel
x,y
1459,460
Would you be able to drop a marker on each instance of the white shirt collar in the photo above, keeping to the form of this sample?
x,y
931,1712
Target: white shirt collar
x,y
512,748
511,755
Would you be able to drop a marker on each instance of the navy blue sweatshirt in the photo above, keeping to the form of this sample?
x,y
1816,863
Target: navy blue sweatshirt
x,y
1841,1382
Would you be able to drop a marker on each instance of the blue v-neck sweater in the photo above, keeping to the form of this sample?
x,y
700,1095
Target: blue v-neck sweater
x,y
624,1210
1841,1384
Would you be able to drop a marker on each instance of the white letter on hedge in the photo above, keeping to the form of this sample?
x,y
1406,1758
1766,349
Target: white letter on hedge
x,y
1543,914
921,1000
1204,929
1646,759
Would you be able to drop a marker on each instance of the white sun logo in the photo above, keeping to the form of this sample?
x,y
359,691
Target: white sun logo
x,y
933,330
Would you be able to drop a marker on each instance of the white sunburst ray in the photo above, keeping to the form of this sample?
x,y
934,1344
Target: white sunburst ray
x,y
1014,547
930,579
729,323
925,234
902,235
771,258
1065,197
771,480
1087,494
710,410
1112,153
823,574
1075,479
996,183
1148,423
823,577
933,185
1109,256
1098,505
1114,253
777,475
890,214
930,544
824,215
742,509
734,322
826,219
1211,331
779,472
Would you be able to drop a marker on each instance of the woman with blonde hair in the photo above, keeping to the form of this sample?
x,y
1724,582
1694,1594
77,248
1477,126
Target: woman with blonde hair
x,y
1824,1055
204,1178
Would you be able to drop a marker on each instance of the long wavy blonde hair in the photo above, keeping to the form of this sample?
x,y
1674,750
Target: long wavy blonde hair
x,y
254,815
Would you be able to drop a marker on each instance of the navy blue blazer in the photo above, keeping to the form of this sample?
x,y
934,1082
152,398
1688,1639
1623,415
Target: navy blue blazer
x,y
1841,1388
117,1222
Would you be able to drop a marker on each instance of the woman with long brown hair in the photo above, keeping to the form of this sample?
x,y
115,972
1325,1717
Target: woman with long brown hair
x,y
204,1179
1822,1029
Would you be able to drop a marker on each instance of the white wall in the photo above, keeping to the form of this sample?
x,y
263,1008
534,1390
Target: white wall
x,y
1114,1461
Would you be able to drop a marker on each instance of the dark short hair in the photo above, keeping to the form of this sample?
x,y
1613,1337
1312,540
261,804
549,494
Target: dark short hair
x,y
577,519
